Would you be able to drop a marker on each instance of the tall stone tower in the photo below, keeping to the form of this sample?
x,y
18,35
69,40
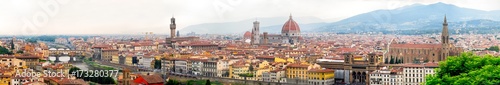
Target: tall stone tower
x,y
265,39
445,52
255,33
126,77
172,28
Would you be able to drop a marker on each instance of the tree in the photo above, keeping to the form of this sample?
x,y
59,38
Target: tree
x,y
208,82
392,61
5,51
20,52
386,60
467,69
250,68
172,82
12,44
157,64
494,48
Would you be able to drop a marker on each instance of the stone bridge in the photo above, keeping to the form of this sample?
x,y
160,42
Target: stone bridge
x,y
66,52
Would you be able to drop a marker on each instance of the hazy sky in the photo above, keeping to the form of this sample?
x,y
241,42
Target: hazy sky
x,y
39,17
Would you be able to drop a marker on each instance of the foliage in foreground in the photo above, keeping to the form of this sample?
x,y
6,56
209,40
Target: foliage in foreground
x,y
467,69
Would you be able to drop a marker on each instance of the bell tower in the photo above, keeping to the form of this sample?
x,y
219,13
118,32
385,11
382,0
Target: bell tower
x,y
255,33
445,52
172,27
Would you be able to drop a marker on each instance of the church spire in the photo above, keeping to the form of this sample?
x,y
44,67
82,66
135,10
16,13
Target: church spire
x,y
445,22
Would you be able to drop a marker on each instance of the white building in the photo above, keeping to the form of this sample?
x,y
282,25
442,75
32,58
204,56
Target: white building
x,y
223,68
387,76
180,66
210,68
146,61
414,74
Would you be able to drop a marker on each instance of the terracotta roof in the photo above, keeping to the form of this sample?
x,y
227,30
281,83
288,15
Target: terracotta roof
x,y
415,46
270,57
298,65
152,78
321,70
247,34
21,57
420,65
290,25
72,82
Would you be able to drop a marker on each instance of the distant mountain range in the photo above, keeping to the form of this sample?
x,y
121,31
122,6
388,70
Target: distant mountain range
x,y
417,19
271,25
412,19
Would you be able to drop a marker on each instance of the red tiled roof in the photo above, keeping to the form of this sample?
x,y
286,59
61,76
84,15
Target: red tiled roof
x,y
290,25
321,70
415,46
152,78
298,65
247,35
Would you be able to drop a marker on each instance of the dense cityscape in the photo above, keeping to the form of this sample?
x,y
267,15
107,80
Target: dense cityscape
x,y
255,57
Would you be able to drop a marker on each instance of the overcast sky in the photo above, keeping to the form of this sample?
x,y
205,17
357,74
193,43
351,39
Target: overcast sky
x,y
39,17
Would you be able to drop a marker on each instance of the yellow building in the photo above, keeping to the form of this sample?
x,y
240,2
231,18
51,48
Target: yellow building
x,y
13,62
115,59
297,70
281,60
263,67
6,76
235,70
107,54
128,60
321,77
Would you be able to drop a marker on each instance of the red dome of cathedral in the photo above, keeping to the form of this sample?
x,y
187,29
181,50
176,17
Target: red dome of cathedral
x,y
247,35
290,26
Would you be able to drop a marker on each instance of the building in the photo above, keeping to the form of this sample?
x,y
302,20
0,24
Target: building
x,y
196,66
414,74
180,66
13,62
413,53
107,54
115,59
386,76
25,60
146,61
200,46
97,51
223,68
167,64
172,27
6,75
173,39
297,73
323,76
290,34
210,68
149,79
239,67
129,59
356,67
255,33
277,75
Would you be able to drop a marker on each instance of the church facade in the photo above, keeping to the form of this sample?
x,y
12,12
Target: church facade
x,y
416,53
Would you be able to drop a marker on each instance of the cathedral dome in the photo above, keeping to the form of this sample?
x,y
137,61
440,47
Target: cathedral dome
x,y
290,26
247,35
